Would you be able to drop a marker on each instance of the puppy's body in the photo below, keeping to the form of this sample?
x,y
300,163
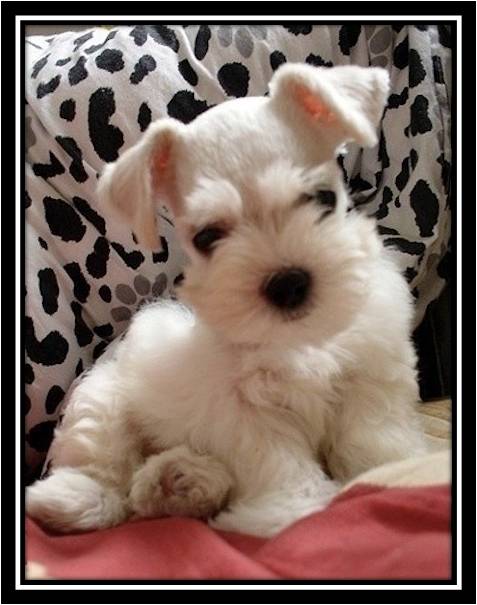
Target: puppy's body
x,y
237,406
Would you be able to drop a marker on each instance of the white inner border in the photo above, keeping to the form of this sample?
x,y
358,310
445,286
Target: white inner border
x,y
18,391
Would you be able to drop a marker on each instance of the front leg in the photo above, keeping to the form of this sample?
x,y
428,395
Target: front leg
x,y
179,482
375,423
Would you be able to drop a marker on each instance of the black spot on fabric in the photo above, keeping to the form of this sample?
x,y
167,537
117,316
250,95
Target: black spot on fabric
x,y
417,73
39,65
144,116
104,331
187,72
445,172
401,54
134,238
185,107
396,100
50,351
397,203
164,35
383,209
425,204
178,279
41,435
63,220
48,87
97,261
348,36
139,35
42,243
144,66
299,29
410,273
110,60
54,398
234,79
82,40
438,70
276,59
83,334
421,27
89,214
163,255
420,122
68,110
76,168
445,35
99,349
49,290
62,62
81,288
382,230
358,184
383,157
318,61
201,45
92,49
106,138
27,200
26,404
48,171
78,72
414,157
29,374
403,177
132,259
79,368
403,245
105,293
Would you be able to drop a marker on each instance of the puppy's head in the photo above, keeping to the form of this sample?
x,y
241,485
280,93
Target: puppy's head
x,y
259,203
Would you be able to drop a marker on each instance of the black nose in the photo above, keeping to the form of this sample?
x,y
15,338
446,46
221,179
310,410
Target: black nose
x,y
288,289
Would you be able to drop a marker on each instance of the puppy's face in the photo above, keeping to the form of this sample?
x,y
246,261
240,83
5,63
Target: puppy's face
x,y
260,206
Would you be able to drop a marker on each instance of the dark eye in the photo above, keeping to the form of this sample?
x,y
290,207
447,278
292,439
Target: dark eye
x,y
326,198
205,239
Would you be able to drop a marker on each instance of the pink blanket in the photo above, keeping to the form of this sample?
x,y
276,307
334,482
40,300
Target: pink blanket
x,y
368,532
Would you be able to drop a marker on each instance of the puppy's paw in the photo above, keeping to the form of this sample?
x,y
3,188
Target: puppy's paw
x,y
69,501
178,482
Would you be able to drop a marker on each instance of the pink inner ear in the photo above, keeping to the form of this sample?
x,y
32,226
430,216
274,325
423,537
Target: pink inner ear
x,y
161,159
313,105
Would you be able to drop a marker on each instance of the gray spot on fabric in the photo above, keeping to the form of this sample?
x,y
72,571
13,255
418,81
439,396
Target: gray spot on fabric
x,y
224,34
160,284
380,61
259,31
244,42
142,285
126,294
121,314
369,31
381,40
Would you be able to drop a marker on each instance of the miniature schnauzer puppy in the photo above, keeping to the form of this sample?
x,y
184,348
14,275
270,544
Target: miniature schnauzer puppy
x,y
289,368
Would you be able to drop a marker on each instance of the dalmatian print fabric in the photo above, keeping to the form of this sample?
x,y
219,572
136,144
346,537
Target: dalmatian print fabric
x,y
90,96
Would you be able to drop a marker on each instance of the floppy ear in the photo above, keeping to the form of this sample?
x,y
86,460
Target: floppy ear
x,y
343,103
145,172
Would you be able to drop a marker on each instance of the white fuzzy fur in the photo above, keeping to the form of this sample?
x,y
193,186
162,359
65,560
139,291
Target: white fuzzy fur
x,y
236,407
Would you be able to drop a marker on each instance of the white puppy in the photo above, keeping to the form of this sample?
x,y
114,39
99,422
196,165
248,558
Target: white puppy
x,y
298,356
